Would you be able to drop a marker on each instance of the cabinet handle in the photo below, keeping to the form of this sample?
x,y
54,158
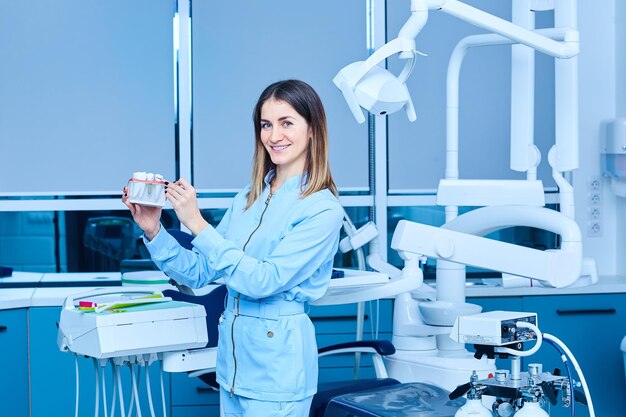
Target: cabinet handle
x,y
341,317
3,328
206,388
585,311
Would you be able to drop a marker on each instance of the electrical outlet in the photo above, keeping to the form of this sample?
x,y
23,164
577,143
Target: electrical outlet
x,y
594,207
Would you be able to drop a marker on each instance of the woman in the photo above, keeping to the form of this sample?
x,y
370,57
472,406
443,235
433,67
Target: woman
x,y
274,248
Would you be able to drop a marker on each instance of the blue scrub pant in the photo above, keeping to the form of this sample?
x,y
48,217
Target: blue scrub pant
x,y
238,406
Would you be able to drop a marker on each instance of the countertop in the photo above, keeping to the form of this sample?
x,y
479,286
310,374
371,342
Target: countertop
x,y
605,285
48,290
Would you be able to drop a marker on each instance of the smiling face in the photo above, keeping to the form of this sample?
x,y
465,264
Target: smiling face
x,y
285,136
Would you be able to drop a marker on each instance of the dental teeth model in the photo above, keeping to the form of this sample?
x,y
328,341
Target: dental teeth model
x,y
147,189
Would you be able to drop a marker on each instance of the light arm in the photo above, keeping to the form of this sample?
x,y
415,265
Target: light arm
x,y
357,77
566,49
558,268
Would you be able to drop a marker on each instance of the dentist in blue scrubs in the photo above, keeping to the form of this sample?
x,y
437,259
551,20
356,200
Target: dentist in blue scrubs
x,y
274,248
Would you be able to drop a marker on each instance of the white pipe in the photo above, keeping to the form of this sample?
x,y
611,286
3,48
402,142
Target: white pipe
x,y
579,371
77,383
522,94
452,96
360,319
377,263
390,48
114,395
415,23
566,191
507,29
96,370
566,94
566,194
148,389
452,88
135,391
104,387
450,281
162,387
515,368
118,376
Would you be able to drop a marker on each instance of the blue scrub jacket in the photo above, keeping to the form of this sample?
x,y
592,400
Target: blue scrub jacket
x,y
288,258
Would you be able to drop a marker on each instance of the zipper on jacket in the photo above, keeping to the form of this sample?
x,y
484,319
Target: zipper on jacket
x,y
236,306
267,203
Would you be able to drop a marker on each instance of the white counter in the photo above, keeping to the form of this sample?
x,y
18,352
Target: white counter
x,y
50,296
69,277
15,298
55,297
605,285
22,278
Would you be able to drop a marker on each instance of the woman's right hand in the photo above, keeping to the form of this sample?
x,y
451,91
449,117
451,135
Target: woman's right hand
x,y
148,218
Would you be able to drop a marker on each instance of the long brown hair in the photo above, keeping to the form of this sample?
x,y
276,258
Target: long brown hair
x,y
303,98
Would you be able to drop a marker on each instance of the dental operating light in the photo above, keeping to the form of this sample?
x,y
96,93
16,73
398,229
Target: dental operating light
x,y
366,84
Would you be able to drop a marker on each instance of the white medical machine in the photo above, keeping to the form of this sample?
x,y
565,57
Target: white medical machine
x,y
129,327
422,320
512,392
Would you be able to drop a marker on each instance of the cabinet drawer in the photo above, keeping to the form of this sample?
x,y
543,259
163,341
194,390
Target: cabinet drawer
x,y
196,411
14,363
192,391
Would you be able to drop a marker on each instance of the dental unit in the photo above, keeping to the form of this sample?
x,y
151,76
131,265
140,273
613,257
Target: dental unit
x,y
130,327
422,322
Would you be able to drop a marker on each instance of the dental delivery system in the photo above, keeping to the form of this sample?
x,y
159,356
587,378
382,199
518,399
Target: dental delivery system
x,y
132,327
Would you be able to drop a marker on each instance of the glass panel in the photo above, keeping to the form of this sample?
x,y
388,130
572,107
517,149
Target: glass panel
x,y
72,241
99,241
417,150
29,241
240,47
88,96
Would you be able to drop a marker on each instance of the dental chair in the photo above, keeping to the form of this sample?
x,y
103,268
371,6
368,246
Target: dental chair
x,y
327,391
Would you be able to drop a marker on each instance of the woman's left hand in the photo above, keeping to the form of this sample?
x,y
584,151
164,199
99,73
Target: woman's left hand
x,y
184,200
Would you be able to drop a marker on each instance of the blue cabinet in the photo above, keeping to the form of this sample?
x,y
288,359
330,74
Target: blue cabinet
x,y
195,411
498,303
193,392
592,327
14,363
53,373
